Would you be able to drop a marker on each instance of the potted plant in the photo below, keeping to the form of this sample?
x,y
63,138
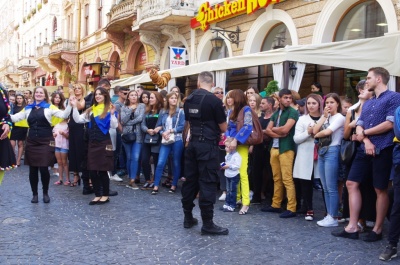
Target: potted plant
x,y
24,20
33,11
39,6
28,17
272,87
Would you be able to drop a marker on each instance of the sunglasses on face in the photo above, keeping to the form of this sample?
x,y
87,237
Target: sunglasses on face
x,y
125,93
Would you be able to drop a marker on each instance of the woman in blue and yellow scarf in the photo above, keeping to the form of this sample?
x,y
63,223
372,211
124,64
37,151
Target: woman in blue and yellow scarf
x,y
100,118
39,151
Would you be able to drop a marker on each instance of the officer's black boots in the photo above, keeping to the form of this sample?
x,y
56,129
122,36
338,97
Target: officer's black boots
x,y
209,228
189,220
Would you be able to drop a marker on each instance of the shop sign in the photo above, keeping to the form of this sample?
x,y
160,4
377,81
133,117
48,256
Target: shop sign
x,y
142,58
219,12
177,57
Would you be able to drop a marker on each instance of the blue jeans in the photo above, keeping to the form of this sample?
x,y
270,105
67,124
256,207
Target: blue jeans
x,y
132,152
328,166
165,150
231,190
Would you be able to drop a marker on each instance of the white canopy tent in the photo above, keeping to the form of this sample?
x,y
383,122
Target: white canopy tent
x,y
354,54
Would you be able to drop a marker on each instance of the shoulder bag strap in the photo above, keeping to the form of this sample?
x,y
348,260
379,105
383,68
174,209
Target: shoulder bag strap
x,y
177,119
353,113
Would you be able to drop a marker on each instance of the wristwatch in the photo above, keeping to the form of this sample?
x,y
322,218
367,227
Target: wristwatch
x,y
363,132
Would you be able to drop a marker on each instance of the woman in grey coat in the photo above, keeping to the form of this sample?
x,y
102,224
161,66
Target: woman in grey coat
x,y
131,117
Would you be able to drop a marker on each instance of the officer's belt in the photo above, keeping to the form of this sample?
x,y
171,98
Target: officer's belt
x,y
201,139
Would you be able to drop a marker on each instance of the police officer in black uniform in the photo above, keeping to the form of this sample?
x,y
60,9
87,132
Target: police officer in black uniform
x,y
207,120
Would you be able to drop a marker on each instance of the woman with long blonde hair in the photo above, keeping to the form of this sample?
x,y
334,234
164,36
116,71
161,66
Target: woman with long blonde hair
x,y
76,135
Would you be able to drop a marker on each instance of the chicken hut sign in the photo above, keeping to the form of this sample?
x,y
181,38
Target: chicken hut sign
x,y
207,15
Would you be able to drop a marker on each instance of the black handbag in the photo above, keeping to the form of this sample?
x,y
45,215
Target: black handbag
x,y
151,139
348,148
327,140
129,137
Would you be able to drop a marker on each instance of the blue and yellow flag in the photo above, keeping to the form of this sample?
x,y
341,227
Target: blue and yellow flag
x,y
104,124
55,120
22,123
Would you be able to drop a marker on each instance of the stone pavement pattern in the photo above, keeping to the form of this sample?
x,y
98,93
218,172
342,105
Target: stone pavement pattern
x,y
138,228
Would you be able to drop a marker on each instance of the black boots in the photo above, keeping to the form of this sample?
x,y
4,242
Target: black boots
x,y
209,228
46,198
35,199
189,221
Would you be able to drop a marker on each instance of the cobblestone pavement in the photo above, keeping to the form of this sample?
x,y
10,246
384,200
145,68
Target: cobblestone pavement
x,y
138,228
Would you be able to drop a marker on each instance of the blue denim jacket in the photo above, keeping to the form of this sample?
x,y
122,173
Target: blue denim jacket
x,y
245,131
179,127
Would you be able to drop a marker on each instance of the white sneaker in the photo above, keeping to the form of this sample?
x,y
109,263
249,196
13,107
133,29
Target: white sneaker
x,y
222,197
116,178
321,222
328,221
370,224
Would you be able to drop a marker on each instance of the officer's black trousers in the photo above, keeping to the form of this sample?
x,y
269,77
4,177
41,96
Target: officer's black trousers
x,y
201,172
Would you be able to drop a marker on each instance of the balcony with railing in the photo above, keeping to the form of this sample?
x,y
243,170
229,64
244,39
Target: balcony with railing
x,y
11,72
61,45
154,13
43,51
123,10
62,50
120,20
27,64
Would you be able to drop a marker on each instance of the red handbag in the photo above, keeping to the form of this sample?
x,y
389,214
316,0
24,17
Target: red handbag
x,y
315,152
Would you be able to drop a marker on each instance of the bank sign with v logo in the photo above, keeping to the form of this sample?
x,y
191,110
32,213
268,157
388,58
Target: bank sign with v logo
x,y
177,57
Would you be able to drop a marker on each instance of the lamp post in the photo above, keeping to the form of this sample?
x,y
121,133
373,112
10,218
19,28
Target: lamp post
x,y
107,66
105,69
292,69
217,43
232,36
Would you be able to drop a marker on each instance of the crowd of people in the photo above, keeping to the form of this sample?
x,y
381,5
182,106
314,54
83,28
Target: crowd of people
x,y
137,132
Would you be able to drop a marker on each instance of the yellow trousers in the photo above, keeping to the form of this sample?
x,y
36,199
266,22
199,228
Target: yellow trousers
x,y
1,175
243,189
282,170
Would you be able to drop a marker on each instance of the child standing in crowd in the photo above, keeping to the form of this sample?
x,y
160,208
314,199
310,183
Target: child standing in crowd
x,y
231,166
61,135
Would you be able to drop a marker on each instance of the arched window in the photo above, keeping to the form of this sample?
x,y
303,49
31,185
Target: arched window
x,y
277,37
55,28
365,20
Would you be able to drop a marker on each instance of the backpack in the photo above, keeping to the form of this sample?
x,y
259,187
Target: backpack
x,y
396,124
256,136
